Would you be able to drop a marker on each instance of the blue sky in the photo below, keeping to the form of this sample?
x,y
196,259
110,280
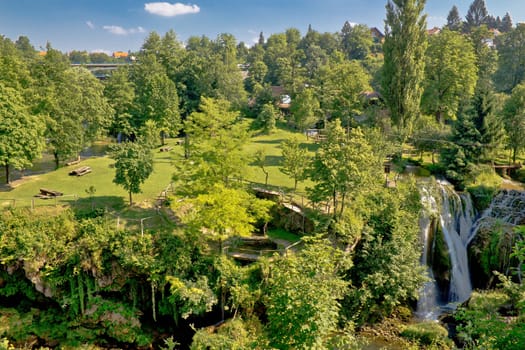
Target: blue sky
x,y
112,25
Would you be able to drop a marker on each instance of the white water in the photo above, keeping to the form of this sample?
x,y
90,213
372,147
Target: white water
x,y
455,216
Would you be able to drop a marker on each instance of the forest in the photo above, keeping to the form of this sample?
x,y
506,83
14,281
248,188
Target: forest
x,y
296,178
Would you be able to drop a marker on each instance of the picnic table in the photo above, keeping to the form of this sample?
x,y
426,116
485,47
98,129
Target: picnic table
x,y
46,193
80,171
166,149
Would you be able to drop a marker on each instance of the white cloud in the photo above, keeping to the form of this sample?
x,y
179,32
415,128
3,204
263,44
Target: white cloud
x,y
107,52
90,25
166,9
118,30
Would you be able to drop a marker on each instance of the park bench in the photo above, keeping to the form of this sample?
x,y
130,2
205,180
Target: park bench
x,y
80,171
166,149
73,162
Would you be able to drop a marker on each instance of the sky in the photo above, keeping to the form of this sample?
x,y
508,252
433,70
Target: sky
x,y
122,25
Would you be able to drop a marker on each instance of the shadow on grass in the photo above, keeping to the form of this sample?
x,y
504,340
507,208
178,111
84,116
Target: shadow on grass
x,y
311,147
269,142
270,161
91,203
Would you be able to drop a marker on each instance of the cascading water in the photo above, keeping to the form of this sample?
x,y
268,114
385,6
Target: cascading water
x,y
454,217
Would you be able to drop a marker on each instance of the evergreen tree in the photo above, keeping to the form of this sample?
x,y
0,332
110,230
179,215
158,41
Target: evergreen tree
x,y
403,71
477,14
453,20
506,24
514,119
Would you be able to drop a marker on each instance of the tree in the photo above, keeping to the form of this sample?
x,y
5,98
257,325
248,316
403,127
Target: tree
x,y
341,86
295,160
267,118
214,146
454,22
133,166
226,212
21,134
155,97
120,93
302,297
343,166
305,109
451,74
403,72
511,59
506,24
477,14
78,112
356,41
260,161
514,119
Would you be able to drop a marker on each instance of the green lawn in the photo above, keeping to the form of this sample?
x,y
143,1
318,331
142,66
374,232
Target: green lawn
x,y
272,147
74,188
109,195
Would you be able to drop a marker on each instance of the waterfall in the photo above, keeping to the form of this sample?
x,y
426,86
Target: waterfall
x,y
453,215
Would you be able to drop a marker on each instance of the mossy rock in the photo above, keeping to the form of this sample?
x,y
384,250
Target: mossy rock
x,y
440,261
428,333
490,251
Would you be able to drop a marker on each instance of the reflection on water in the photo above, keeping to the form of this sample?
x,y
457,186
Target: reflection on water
x,y
47,162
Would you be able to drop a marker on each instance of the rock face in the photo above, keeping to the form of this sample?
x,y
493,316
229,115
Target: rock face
x,y
494,237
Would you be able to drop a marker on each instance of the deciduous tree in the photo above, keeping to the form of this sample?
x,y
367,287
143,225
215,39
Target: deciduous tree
x,y
133,166
514,119
403,72
21,134
451,74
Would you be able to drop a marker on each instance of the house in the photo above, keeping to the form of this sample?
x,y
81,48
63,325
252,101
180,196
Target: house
x,y
120,54
377,35
434,31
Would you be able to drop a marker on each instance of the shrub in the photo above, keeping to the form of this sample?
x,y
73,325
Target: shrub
x,y
428,333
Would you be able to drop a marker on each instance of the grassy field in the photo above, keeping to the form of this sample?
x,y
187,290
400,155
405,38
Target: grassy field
x,y
21,192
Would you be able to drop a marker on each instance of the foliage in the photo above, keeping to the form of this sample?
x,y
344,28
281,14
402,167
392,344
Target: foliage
x,y
133,165
295,280
341,85
235,334
342,167
224,212
191,297
21,134
266,118
483,185
387,271
450,74
514,120
295,160
511,50
428,334
305,109
403,70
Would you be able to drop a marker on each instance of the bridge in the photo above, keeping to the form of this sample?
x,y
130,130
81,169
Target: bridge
x,y
100,70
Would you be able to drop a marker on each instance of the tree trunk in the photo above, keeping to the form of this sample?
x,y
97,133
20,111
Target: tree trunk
x,y
514,151
334,201
295,184
162,137
186,146
342,204
266,179
57,161
130,199
7,179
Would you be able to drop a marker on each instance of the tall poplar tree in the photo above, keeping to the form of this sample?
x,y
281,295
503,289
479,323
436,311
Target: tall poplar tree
x,y
404,48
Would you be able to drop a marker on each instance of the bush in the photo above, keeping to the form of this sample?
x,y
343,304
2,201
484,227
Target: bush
x,y
483,186
428,333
